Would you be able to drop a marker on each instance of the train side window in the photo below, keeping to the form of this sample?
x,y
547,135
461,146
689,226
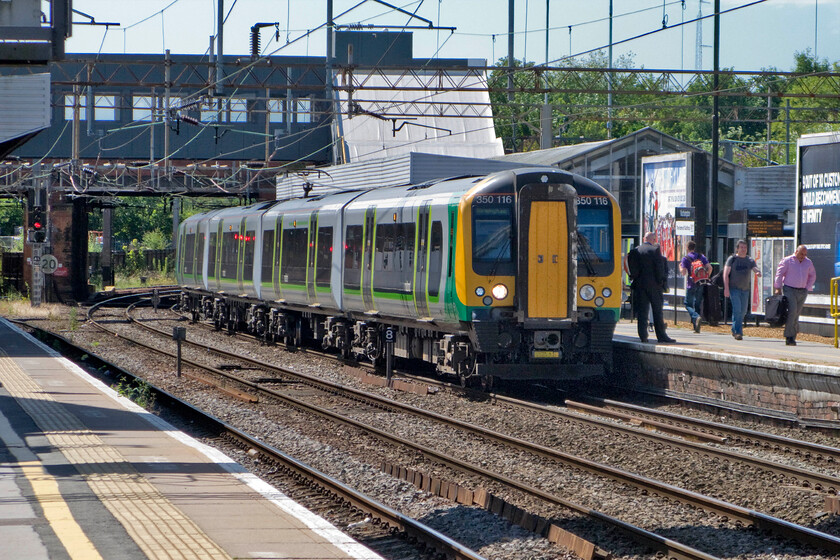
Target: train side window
x,y
230,252
353,257
189,253
406,240
435,258
394,257
295,244
199,261
267,255
248,265
211,253
323,261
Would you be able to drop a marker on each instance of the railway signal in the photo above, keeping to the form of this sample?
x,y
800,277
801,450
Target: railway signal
x,y
37,225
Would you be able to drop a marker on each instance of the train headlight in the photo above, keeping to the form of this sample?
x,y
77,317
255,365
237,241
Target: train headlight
x,y
499,291
479,291
587,292
606,292
599,301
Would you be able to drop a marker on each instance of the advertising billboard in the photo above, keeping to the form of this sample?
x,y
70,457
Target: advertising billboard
x,y
818,204
665,180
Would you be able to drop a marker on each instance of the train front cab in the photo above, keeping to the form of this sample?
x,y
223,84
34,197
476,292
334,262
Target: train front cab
x,y
520,277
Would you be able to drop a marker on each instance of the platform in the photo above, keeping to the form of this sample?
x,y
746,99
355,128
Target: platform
x,y
755,375
751,348
87,474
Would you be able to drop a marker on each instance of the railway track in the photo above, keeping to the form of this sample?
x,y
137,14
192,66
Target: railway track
x,y
741,515
693,435
668,421
330,494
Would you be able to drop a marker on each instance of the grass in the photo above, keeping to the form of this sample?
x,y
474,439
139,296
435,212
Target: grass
x,y
138,391
20,306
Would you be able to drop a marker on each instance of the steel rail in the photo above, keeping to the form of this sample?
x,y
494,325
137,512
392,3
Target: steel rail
x,y
719,507
732,433
416,529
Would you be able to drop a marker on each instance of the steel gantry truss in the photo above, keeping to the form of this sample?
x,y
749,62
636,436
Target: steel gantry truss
x,y
193,78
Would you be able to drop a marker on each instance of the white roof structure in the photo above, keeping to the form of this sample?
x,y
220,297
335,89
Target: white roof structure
x,y
384,123
409,169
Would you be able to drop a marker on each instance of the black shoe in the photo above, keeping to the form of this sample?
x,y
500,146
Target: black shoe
x,y
666,340
697,324
738,336
790,341
643,340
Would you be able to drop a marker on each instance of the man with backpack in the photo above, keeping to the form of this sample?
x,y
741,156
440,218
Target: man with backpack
x,y
696,268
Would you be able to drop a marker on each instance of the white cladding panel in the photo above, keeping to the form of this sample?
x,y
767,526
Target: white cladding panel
x,y
462,125
24,105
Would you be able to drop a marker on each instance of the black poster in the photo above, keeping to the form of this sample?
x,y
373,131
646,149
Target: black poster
x,y
819,209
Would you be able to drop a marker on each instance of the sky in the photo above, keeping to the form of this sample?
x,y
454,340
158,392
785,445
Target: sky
x,y
763,35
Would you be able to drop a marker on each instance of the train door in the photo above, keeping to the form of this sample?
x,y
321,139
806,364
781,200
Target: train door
x,y
277,265
312,252
367,258
421,289
546,265
240,257
215,248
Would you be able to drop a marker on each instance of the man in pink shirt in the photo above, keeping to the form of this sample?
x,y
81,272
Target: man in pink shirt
x,y
795,277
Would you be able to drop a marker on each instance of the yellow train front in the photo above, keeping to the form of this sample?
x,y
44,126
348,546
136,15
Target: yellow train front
x,y
538,276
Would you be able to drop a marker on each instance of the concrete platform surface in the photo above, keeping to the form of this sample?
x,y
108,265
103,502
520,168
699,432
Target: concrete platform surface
x,y
87,474
805,356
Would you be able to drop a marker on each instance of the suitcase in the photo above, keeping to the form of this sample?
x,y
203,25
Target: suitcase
x,y
711,310
775,310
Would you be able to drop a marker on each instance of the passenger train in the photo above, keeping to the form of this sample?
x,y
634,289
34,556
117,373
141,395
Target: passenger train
x,y
513,275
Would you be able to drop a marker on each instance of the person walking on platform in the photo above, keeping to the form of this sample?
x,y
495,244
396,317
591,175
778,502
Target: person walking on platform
x,y
736,285
649,279
795,277
695,267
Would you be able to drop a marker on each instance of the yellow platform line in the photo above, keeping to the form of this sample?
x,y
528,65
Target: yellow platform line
x,y
58,514
159,528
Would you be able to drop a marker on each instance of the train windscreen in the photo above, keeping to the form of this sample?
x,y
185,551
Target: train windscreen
x,y
493,246
594,251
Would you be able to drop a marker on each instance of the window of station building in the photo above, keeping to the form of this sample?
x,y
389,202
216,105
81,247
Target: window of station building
x,y
303,110
353,257
69,103
267,256
238,110
323,262
209,110
105,107
189,253
295,243
230,252
249,244
276,110
141,107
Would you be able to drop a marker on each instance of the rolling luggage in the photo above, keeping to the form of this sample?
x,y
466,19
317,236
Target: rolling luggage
x,y
775,310
711,310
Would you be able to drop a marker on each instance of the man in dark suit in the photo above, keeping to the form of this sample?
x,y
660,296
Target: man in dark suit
x,y
646,266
